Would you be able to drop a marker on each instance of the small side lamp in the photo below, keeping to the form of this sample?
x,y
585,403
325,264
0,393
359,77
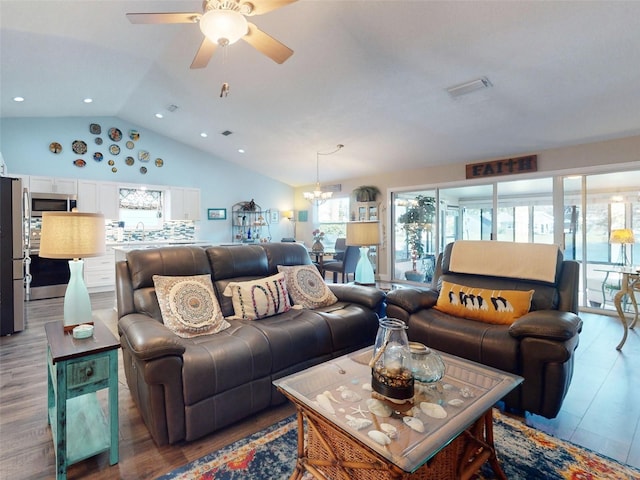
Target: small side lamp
x,y
74,236
623,237
290,215
363,235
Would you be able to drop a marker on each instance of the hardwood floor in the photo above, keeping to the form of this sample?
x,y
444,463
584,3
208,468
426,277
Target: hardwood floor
x,y
601,411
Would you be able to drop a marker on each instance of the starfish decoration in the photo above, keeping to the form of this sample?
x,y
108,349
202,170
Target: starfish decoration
x,y
359,410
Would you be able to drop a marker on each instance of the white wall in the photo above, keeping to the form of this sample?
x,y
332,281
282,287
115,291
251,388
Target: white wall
x,y
24,143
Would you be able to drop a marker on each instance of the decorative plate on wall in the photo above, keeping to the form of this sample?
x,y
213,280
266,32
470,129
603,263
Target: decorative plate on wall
x,y
79,147
95,129
55,147
79,162
98,141
143,170
111,162
114,169
159,162
143,156
134,135
114,149
98,157
129,144
129,161
115,134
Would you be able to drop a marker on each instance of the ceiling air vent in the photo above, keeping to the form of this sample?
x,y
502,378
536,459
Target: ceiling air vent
x,y
468,87
226,133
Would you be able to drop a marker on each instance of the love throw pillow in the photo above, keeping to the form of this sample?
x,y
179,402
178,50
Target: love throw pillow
x,y
260,298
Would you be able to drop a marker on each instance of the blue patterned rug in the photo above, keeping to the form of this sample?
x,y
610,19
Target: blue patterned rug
x,y
524,453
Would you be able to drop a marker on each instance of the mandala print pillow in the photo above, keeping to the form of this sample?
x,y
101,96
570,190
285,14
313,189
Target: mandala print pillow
x,y
307,287
188,305
259,298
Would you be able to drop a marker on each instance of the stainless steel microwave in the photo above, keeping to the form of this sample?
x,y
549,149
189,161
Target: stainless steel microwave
x,y
52,202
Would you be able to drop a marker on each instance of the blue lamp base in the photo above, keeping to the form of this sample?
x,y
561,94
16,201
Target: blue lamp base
x,y
77,304
364,271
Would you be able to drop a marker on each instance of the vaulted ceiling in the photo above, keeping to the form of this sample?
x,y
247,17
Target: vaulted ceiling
x,y
371,75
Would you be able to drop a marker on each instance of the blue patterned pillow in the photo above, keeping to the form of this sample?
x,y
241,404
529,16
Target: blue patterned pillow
x,y
307,287
258,298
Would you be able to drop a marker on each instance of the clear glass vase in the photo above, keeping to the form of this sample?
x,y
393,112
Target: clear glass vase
x,y
391,362
426,365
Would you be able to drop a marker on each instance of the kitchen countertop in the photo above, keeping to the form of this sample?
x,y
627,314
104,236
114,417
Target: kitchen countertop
x,y
127,246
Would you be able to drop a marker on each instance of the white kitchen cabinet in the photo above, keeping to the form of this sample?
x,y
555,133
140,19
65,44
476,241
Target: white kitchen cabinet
x,y
100,272
53,185
99,197
185,203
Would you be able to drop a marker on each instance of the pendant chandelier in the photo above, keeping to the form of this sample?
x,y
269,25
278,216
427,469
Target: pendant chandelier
x,y
318,197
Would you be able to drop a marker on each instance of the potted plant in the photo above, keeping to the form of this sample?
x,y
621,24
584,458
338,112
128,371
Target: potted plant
x,y
417,219
366,193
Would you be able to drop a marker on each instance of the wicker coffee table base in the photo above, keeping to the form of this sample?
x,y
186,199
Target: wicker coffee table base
x,y
332,454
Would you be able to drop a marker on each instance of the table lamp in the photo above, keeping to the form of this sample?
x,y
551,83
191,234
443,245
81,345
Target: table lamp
x,y
74,236
622,236
363,235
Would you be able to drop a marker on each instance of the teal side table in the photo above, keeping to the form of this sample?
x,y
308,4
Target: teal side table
x,y
77,370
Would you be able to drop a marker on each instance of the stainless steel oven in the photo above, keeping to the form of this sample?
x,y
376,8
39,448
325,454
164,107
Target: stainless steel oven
x,y
52,202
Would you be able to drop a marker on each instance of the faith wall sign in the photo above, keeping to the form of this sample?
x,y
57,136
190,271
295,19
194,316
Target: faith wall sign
x,y
506,166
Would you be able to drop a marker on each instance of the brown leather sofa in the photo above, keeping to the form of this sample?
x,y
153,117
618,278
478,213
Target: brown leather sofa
x,y
538,346
186,388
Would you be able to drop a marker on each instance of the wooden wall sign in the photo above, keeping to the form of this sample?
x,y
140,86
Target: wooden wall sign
x,y
506,166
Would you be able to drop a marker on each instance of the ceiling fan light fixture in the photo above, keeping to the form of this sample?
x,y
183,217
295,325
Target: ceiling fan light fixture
x,y
223,27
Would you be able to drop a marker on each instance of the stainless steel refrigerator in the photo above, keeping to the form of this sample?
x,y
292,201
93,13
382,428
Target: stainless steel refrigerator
x,y
12,252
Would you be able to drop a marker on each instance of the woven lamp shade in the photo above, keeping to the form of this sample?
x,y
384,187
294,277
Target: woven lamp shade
x,y
363,233
72,235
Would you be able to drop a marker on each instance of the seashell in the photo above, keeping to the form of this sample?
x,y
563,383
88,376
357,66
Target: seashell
x,y
447,386
367,387
358,423
350,396
414,423
341,410
433,410
325,403
330,396
466,392
379,437
455,402
389,430
378,408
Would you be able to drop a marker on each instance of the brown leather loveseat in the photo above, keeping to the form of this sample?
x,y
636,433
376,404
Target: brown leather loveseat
x,y
189,387
539,345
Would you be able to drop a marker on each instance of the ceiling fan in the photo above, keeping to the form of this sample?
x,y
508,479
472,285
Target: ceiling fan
x,y
223,22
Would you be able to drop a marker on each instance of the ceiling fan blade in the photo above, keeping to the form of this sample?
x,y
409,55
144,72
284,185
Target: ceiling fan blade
x,y
204,54
178,17
263,6
272,48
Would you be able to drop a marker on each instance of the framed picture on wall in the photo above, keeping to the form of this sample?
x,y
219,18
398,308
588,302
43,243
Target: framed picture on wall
x,y
217,213
303,215
274,216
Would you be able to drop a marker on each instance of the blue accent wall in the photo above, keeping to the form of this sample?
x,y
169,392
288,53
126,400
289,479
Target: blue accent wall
x,y
24,143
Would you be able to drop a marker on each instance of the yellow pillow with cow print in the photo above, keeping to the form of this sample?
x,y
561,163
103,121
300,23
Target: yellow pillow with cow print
x,y
486,305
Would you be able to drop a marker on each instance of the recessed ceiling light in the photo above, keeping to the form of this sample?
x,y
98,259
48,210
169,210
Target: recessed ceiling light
x,y
159,115
88,100
204,135
18,99
241,150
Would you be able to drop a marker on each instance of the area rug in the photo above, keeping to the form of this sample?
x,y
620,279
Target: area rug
x,y
524,453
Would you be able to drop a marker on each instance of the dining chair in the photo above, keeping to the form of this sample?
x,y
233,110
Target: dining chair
x,y
346,267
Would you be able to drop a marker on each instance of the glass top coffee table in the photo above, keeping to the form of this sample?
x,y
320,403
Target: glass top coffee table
x,y
447,433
